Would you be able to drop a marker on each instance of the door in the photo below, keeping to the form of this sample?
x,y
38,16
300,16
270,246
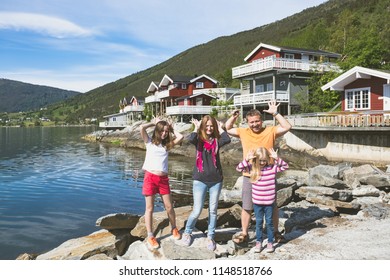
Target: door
x,y
386,97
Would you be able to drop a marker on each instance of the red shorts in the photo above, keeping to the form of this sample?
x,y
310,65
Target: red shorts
x,y
154,184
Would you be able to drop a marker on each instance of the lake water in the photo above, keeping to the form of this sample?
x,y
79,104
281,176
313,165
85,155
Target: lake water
x,y
54,185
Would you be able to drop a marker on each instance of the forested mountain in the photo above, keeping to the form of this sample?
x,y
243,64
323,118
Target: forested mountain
x,y
359,30
18,96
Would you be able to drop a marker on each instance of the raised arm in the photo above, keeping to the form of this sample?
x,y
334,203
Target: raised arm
x,y
143,128
196,124
230,123
178,136
283,125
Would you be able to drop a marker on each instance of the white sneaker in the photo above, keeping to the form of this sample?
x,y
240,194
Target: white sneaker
x,y
258,247
270,248
186,239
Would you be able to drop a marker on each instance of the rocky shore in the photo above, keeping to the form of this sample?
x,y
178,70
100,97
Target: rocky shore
x,y
327,211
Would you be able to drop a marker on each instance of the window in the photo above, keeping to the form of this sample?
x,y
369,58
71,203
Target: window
x,y
270,87
289,56
259,88
357,99
199,85
183,86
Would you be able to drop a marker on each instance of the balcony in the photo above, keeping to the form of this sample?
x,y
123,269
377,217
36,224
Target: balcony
x,y
189,110
134,108
260,98
163,94
273,62
152,99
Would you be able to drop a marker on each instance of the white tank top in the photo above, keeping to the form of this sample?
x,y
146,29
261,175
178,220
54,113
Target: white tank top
x,y
156,158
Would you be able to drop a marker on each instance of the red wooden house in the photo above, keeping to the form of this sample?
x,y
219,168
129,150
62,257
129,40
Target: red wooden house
x,y
363,89
184,96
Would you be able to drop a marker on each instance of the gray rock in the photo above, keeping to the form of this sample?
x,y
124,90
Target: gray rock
x,y
84,247
301,213
378,181
118,221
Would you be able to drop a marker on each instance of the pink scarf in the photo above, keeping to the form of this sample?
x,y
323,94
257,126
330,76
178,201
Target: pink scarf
x,y
210,147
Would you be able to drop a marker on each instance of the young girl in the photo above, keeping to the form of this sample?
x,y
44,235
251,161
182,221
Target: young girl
x,y
156,173
208,137
262,176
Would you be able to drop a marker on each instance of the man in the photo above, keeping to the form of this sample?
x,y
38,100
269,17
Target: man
x,y
251,138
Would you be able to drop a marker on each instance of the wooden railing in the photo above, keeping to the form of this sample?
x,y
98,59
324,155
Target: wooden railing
x,y
341,119
271,62
260,98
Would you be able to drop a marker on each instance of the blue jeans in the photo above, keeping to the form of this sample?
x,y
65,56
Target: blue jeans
x,y
260,212
199,190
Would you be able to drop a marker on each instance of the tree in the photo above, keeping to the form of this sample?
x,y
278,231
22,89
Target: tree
x,y
366,51
318,100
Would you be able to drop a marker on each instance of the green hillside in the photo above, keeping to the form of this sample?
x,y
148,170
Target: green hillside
x,y
18,96
357,29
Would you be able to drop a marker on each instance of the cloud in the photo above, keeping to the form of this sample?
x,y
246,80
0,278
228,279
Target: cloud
x,y
43,24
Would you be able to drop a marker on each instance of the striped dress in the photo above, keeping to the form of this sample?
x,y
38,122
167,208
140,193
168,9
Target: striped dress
x,y
264,189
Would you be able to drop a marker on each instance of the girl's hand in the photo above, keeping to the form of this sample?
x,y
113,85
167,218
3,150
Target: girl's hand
x,y
273,153
155,120
250,155
196,124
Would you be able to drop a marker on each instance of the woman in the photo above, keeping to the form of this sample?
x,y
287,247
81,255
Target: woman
x,y
156,173
208,137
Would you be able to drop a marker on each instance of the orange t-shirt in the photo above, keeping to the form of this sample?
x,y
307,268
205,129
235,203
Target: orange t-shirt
x,y
251,141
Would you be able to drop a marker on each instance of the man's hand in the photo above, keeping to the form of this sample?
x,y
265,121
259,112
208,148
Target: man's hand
x,y
272,107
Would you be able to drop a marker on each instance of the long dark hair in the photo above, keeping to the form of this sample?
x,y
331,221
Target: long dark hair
x,y
156,137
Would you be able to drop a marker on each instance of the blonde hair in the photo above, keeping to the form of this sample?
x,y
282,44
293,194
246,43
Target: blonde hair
x,y
260,153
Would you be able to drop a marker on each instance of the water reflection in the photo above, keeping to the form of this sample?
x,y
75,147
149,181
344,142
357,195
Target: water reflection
x,y
54,186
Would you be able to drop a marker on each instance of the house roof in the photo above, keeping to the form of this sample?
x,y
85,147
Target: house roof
x,y
152,87
195,95
115,115
138,98
203,76
353,74
166,80
292,50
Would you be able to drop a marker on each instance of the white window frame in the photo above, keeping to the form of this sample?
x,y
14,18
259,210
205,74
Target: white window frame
x,y
288,56
183,86
270,87
199,85
357,99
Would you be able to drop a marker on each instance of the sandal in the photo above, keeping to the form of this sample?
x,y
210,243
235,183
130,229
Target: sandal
x,y
279,238
240,238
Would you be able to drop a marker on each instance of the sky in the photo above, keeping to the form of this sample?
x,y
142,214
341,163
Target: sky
x,y
83,44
